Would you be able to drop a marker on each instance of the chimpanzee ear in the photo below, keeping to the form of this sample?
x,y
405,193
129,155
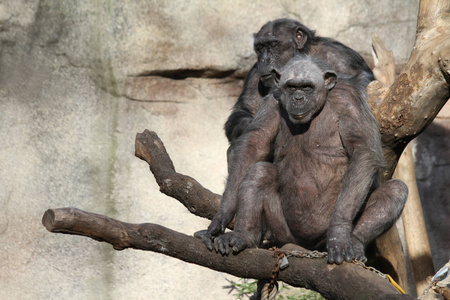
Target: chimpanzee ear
x,y
276,75
330,78
277,94
300,38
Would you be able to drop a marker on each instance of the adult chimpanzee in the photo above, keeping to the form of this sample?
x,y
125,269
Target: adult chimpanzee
x,y
275,44
321,191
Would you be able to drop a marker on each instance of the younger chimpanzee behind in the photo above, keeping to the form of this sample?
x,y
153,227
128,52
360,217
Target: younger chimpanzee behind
x,y
321,191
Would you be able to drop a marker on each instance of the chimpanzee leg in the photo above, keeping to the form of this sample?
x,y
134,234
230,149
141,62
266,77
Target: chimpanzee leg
x,y
259,209
382,210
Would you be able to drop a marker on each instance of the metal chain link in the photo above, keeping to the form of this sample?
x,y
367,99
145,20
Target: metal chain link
x,y
372,269
282,256
278,253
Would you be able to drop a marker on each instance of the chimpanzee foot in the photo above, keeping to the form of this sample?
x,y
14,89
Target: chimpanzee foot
x,y
339,244
339,254
237,242
338,251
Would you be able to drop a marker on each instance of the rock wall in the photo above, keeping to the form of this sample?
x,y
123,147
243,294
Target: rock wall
x,y
78,80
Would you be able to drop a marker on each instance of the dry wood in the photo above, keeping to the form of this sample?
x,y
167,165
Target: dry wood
x,y
348,281
197,199
392,259
407,107
414,222
412,216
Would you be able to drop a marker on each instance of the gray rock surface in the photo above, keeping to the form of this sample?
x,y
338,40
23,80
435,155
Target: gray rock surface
x,y
78,80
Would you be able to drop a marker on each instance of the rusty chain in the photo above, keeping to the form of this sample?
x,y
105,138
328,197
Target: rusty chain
x,y
282,255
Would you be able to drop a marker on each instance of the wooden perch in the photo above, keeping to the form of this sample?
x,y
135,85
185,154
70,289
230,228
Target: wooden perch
x,y
347,281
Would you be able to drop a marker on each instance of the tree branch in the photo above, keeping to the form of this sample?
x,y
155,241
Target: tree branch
x,y
407,107
347,281
197,199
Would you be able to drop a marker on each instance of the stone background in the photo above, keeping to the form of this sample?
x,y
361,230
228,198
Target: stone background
x,y
79,79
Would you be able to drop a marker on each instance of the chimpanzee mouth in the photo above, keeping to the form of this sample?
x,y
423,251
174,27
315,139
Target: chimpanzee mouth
x,y
299,116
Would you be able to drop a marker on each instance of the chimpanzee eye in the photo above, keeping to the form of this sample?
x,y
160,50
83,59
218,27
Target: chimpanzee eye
x,y
259,47
307,88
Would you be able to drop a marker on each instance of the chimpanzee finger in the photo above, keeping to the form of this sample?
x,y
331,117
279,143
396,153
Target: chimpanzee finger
x,y
330,256
362,259
233,241
205,237
338,257
216,243
360,256
222,244
237,244
219,245
349,255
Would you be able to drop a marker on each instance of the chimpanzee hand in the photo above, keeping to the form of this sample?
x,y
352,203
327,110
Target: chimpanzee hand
x,y
339,244
234,240
218,225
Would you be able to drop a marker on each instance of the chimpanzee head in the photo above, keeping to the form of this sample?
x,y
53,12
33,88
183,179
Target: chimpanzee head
x,y
304,84
276,43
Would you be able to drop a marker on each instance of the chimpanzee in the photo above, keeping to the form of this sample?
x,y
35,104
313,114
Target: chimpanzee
x,y
321,190
275,44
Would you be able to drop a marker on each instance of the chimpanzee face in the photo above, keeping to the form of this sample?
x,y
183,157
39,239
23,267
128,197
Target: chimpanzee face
x,y
304,88
275,44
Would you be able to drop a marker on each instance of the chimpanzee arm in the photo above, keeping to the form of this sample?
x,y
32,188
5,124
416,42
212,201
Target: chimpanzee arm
x,y
253,146
360,137
245,108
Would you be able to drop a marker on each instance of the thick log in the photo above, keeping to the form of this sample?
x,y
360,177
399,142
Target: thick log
x,y
347,281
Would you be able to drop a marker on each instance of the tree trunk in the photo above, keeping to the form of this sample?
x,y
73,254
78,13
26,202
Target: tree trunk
x,y
414,222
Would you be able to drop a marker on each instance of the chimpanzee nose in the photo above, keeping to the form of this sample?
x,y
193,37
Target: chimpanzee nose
x,y
299,97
